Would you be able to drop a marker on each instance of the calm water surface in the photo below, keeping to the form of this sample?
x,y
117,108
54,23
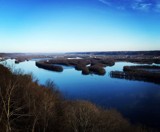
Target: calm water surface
x,y
137,101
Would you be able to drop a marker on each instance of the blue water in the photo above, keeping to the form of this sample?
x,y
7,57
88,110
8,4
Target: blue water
x,y
137,101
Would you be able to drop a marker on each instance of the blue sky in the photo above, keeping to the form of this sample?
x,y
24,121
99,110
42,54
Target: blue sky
x,y
79,25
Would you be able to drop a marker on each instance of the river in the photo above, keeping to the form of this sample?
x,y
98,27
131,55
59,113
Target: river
x,y
138,101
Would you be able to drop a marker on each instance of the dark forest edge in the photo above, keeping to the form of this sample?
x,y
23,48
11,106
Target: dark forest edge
x,y
27,106
141,73
156,52
49,67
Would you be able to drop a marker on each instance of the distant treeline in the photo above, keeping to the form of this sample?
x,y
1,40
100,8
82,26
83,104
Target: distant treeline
x,y
152,53
10,54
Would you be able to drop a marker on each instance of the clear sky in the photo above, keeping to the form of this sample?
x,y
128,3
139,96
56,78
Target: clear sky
x,y
79,25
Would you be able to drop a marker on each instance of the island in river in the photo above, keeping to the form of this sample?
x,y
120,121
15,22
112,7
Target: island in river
x,y
95,62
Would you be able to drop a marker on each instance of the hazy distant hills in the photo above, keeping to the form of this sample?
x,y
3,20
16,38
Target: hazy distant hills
x,y
152,53
121,53
11,54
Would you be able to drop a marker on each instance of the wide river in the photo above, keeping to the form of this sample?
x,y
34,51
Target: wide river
x,y
138,101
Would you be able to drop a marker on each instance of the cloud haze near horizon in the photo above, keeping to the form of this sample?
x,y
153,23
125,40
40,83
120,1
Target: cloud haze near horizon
x,y
79,25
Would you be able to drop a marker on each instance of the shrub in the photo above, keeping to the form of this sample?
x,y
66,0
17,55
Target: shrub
x,y
49,67
80,67
85,71
97,70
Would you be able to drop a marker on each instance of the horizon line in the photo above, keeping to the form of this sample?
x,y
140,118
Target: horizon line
x,y
78,52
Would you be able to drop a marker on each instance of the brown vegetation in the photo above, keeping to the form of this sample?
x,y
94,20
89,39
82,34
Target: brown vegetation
x,y
97,69
28,107
49,67
143,60
25,105
19,60
85,71
96,64
141,73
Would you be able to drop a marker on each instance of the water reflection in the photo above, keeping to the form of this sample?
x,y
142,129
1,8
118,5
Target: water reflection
x,y
122,75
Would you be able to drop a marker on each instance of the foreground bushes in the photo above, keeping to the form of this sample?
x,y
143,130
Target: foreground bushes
x,y
26,106
82,116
